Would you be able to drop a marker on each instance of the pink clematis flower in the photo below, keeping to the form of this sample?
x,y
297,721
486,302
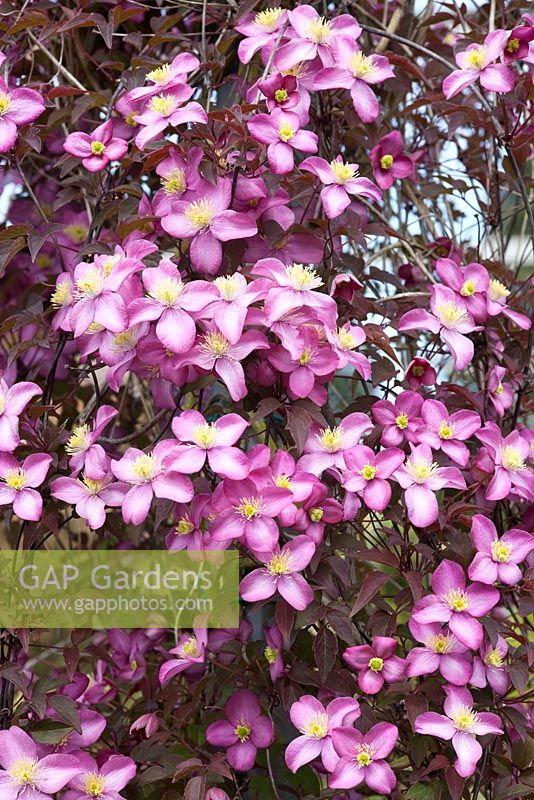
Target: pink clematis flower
x,y
388,160
356,72
361,758
17,107
25,776
166,77
18,484
104,781
280,131
497,558
207,220
178,174
442,651
375,663
82,444
190,652
150,474
460,726
281,91
166,109
449,318
421,477
90,496
509,455
281,574
489,667
420,372
316,723
317,510
447,432
501,392
243,732
172,303
477,62
325,448
312,36
229,311
401,420
13,401
305,360
96,149
457,605
201,441
471,282
344,341
341,181
368,474
496,298
518,44
260,29
273,652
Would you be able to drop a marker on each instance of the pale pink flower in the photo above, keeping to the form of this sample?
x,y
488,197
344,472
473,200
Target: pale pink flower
x,y
19,482
341,181
201,440
316,723
17,107
281,574
477,62
96,149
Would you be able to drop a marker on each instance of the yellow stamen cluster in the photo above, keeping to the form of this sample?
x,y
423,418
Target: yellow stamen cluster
x,y
174,181
205,435
497,290
94,784
401,421
316,726
376,664
364,755
271,654
229,286
160,75
346,339
446,429
457,600
331,439
501,551
163,104
190,648
450,313
97,148
319,30
280,95
283,481
268,19
316,514
368,472
77,233
499,389
464,718
306,356
361,65
343,172
79,440
286,132
62,296
511,458
200,213
386,162
494,658
184,527
303,278
167,291
144,467
249,507
242,731
280,564
512,46
468,289
5,103
22,771
422,469
125,340
215,344
476,57
440,643
90,284
16,478
93,486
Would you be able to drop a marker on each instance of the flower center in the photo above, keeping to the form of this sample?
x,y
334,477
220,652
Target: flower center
x,y
499,389
249,507
401,421
450,313
457,600
190,648
476,57
280,564
125,340
440,643
90,284
376,664
167,291
184,527
286,132
331,438
23,771
501,551
360,65
174,181
421,470
163,104
319,30
160,75
497,290
512,46
110,263
280,95
268,19
368,472
216,344
205,435
77,233
446,429
468,288
386,162
464,718
343,172
316,514
303,278
229,286
93,486
200,213
16,478
316,726
145,466
62,296
364,755
346,339
306,356
283,481
271,654
79,440
94,784
97,148
494,658
511,458
242,731
5,103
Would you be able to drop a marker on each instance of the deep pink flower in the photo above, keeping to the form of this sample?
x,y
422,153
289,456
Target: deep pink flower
x,y
489,667
471,282
96,149
361,758
178,175
166,109
261,29
305,360
375,663
229,311
13,401
517,46
420,372
317,510
24,776
273,652
497,558
312,36
315,724
477,62
19,482
90,496
401,420
201,441
389,161
449,318
356,72
461,725
147,722
104,781
456,604
501,392
325,448
207,220
190,652
150,474
17,107
442,651
341,181
281,574
243,732
509,455
280,131
367,474
281,91
447,432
